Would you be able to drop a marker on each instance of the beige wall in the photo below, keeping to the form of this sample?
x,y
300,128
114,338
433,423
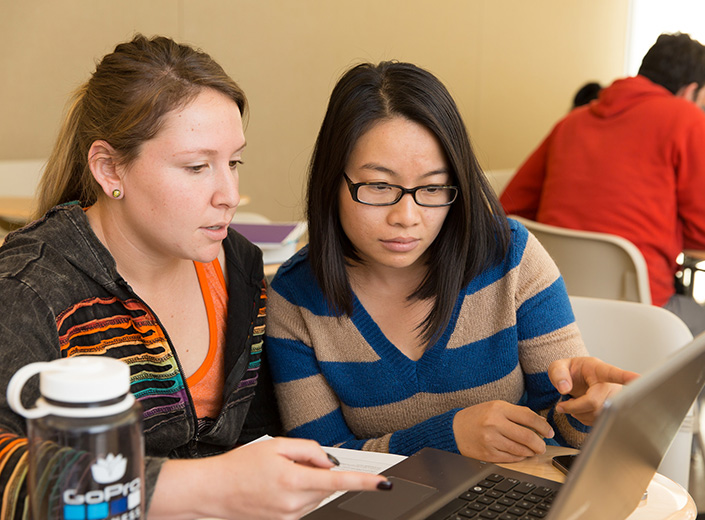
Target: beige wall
x,y
512,65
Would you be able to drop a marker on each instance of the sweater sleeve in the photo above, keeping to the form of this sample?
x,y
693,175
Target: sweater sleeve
x,y
522,195
28,334
690,183
546,331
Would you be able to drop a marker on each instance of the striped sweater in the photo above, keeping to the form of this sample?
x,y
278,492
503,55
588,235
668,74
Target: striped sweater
x,y
341,382
61,296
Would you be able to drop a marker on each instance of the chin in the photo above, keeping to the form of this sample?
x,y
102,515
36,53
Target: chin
x,y
205,255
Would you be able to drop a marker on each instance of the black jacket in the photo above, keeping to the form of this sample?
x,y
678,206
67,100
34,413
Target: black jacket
x,y
61,295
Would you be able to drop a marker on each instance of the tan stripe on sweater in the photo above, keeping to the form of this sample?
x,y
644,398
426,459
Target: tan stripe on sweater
x,y
375,421
336,339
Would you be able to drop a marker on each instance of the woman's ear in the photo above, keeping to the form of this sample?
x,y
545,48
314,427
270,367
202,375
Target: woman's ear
x,y
102,161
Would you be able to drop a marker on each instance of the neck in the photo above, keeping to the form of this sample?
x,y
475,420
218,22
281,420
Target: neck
x,y
139,267
386,281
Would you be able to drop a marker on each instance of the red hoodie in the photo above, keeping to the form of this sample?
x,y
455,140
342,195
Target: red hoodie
x,y
632,163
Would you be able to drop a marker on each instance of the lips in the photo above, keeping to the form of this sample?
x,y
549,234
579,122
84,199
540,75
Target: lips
x,y
217,231
401,244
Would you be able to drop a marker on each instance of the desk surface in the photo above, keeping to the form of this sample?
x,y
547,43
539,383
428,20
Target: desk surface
x,y
17,208
666,499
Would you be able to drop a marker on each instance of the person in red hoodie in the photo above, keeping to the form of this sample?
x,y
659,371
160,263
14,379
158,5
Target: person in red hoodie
x,y
631,163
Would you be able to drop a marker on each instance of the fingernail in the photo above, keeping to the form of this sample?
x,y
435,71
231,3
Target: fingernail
x,y
385,485
551,434
333,459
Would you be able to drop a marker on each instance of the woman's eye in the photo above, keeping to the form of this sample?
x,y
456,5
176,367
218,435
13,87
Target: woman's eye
x,y
233,164
198,168
380,188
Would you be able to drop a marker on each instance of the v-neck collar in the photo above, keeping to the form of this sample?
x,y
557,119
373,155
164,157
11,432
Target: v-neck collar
x,y
389,353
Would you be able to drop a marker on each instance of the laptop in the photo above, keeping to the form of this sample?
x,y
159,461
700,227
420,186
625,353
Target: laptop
x,y
606,482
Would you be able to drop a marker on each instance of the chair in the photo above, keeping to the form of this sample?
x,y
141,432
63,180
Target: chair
x,y
637,337
592,264
499,179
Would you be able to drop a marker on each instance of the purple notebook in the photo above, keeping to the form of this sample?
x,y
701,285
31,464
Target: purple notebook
x,y
272,234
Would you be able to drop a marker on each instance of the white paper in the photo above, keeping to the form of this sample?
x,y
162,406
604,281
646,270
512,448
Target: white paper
x,y
355,460
358,460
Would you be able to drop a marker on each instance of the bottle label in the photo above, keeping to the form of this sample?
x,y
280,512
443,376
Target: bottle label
x,y
116,500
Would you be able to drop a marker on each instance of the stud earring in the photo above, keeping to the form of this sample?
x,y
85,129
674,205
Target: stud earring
x,y
116,193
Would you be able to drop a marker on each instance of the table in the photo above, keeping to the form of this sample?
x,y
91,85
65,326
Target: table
x,y
666,499
15,211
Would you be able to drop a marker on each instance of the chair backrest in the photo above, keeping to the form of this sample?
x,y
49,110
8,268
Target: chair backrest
x,y
637,337
599,265
499,178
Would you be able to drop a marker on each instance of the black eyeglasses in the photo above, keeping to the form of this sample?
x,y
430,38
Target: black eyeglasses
x,y
383,194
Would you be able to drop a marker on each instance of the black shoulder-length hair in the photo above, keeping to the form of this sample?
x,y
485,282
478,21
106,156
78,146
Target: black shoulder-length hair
x,y
475,233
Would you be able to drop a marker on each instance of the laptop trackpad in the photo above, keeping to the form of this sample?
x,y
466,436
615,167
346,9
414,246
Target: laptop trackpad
x,y
387,505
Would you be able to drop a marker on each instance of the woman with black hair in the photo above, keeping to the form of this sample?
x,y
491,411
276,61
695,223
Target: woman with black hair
x,y
419,315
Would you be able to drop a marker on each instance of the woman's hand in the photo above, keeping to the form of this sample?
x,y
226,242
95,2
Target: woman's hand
x,y
589,382
279,479
498,431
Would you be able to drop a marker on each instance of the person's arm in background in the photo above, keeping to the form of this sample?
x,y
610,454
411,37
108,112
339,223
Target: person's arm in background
x,y
690,187
522,195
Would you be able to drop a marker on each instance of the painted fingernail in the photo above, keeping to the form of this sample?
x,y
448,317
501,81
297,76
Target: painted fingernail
x,y
333,459
385,485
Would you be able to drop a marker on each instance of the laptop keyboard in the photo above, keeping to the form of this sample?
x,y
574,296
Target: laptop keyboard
x,y
500,498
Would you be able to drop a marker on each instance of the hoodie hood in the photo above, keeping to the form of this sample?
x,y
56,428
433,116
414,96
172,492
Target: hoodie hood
x,y
624,94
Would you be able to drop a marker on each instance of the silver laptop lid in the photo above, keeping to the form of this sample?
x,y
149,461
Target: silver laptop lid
x,y
630,438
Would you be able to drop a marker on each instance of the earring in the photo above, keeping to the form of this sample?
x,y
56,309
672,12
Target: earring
x,y
116,193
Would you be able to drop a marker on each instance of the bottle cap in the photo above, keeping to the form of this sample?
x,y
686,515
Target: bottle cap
x,y
85,379
72,387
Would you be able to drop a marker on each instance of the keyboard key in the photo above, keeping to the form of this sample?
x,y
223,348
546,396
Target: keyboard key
x,y
543,491
494,477
524,487
506,485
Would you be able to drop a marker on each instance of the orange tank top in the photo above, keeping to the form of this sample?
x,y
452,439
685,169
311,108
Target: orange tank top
x,y
206,384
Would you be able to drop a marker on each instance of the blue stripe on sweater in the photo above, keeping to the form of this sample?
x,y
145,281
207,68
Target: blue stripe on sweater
x,y
551,305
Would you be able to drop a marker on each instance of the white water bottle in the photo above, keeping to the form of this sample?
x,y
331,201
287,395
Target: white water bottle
x,y
86,446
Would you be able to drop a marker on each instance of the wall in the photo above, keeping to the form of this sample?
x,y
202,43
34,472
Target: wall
x,y
512,65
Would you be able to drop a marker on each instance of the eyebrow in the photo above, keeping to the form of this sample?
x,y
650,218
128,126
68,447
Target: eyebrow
x,y
207,151
383,169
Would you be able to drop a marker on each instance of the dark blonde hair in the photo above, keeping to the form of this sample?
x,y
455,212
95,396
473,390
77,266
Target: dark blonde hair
x,y
124,103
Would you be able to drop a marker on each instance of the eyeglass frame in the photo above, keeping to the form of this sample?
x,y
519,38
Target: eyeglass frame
x,y
353,187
